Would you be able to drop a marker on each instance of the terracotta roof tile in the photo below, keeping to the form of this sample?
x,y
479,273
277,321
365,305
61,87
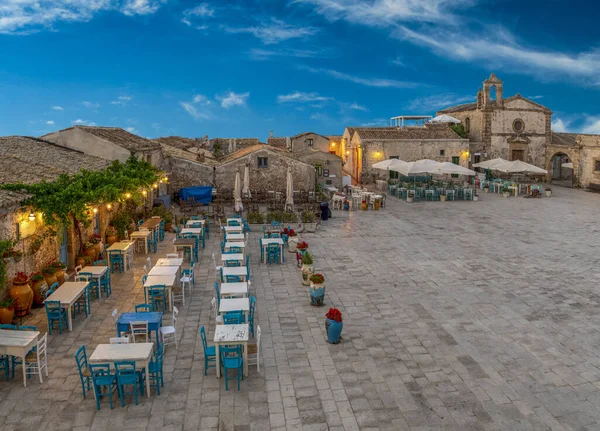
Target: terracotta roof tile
x,y
441,131
120,137
277,142
178,142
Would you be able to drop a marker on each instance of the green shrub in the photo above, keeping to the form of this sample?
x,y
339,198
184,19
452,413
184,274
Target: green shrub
x,y
308,217
307,258
288,217
256,218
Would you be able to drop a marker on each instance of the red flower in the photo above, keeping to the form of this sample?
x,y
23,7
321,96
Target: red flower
x,y
302,245
334,314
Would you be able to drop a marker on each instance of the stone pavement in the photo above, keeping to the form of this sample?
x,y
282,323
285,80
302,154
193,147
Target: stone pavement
x,y
457,316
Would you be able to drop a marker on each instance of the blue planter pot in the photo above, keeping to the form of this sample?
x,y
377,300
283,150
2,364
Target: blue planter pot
x,y
334,330
317,296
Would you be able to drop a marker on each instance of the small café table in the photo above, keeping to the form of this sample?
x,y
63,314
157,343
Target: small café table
x,y
169,261
240,271
265,244
141,235
97,273
233,256
232,335
167,280
67,295
234,237
153,318
229,290
235,304
18,343
125,247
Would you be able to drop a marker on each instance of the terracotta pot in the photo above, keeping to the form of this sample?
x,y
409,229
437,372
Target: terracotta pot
x,y
292,242
98,248
91,253
81,261
376,205
23,295
38,298
168,227
112,239
60,276
50,279
6,315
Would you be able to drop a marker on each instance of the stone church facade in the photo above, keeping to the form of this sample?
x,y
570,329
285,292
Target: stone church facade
x,y
513,128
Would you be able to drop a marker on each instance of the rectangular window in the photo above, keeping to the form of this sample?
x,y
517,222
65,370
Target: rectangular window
x,y
456,161
442,152
310,142
518,155
597,165
263,162
393,174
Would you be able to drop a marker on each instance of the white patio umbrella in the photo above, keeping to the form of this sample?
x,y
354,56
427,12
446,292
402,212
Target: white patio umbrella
x,y
246,189
451,168
385,164
444,118
424,166
237,193
518,166
491,164
289,191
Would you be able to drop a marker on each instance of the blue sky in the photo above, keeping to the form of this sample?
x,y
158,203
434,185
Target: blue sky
x,y
243,68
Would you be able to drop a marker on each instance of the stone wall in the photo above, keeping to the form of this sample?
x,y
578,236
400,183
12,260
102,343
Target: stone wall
x,y
87,143
274,177
574,157
329,162
186,173
589,154
300,144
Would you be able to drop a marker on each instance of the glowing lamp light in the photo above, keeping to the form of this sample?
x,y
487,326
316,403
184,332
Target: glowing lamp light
x,y
108,207
347,152
155,185
31,216
95,210
145,193
127,195
333,144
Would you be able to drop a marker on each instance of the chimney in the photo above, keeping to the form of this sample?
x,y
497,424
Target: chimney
x,y
234,145
271,134
288,143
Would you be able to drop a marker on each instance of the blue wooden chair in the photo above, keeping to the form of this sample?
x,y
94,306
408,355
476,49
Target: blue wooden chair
x,y
187,275
152,243
251,314
218,294
83,303
52,289
105,284
265,233
116,258
5,366
161,230
93,286
84,371
55,314
127,375
222,246
8,326
100,263
248,267
28,328
273,253
158,297
233,318
233,279
207,226
143,308
231,358
140,222
210,356
232,263
102,378
155,369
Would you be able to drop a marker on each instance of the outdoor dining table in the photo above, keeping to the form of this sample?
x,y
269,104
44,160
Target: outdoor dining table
x,y
167,270
239,257
234,220
202,222
169,261
125,248
229,290
185,243
231,237
192,230
239,271
166,280
265,244
141,235
18,343
153,224
235,304
153,318
498,187
98,272
232,335
233,229
141,353
67,295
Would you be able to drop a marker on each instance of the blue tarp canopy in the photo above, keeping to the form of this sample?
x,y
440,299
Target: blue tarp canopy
x,y
201,194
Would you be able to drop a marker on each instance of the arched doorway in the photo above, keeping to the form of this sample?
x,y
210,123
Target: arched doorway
x,y
561,170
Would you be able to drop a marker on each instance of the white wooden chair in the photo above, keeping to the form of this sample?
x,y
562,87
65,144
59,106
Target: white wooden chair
x,y
139,331
38,360
168,334
254,357
178,292
119,340
213,305
149,260
115,315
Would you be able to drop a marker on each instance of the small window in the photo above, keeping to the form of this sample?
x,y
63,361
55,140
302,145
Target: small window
x,y
263,162
597,165
442,152
149,158
518,125
310,142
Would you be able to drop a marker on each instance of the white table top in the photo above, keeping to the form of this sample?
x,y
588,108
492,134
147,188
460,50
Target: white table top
x,y
231,333
192,230
195,221
233,228
235,244
10,338
164,270
68,293
153,280
232,256
95,270
267,241
122,352
234,270
140,234
120,246
231,288
239,220
234,304
235,237
169,261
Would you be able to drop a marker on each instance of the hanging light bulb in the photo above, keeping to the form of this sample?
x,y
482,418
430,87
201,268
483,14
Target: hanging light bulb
x,y
109,206
95,210
155,185
145,193
31,216
128,195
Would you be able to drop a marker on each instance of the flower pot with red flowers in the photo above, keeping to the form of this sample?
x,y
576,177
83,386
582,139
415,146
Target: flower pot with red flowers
x,y
7,311
292,240
301,247
37,283
21,292
333,325
89,249
96,240
59,270
49,276
112,235
317,289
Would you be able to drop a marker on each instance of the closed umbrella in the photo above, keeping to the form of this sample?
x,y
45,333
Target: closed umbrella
x,y
237,193
289,191
246,189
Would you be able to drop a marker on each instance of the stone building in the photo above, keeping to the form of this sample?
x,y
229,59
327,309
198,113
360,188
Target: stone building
x,y
109,143
364,146
30,160
513,128
328,166
306,141
268,169
192,166
583,151
223,146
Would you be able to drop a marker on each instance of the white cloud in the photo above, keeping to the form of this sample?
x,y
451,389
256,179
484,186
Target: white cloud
x,y
301,97
121,100
398,62
535,97
81,122
58,108
358,107
592,126
89,104
264,54
369,82
203,10
379,122
199,98
27,16
438,101
50,123
195,113
560,126
131,129
275,31
232,99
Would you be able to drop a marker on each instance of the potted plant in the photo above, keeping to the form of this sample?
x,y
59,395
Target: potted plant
x,y
317,289
13,254
80,260
21,292
333,325
443,197
548,192
292,239
505,192
96,240
376,204
7,311
409,197
307,268
309,221
59,268
486,188
49,276
37,283
346,205
89,250
475,197
112,235
302,246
